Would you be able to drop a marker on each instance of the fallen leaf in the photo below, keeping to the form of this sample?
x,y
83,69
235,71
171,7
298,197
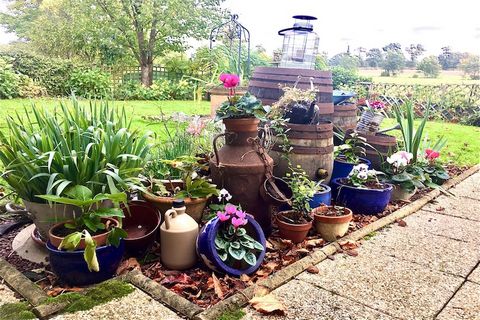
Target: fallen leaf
x,y
128,265
352,252
245,278
182,279
348,244
401,223
440,209
268,304
261,291
272,265
217,286
313,269
314,243
59,290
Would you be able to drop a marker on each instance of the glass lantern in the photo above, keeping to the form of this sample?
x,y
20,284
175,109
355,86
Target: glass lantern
x,y
300,44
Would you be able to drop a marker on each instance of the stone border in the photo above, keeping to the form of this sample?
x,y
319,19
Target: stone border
x,y
35,296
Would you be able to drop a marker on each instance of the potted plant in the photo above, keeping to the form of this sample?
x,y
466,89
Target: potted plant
x,y
294,224
405,176
220,93
193,188
92,241
361,191
371,117
232,242
349,154
48,152
331,222
436,173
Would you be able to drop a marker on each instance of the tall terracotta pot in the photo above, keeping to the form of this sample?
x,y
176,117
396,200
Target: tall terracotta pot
x,y
238,168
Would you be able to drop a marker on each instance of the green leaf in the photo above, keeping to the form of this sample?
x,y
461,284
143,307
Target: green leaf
x,y
258,246
235,245
237,254
401,177
71,241
115,235
109,212
247,244
79,192
442,175
222,255
241,232
219,243
250,258
90,254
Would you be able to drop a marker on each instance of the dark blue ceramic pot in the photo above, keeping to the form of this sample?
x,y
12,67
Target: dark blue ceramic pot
x,y
341,169
71,268
322,197
208,253
361,201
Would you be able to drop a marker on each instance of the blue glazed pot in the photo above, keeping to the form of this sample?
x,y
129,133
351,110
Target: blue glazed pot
x,y
208,253
341,169
322,197
361,201
71,268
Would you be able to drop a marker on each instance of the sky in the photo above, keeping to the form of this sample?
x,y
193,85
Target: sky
x,y
365,23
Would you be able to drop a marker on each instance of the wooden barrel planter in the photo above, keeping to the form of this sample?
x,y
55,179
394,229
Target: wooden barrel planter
x,y
266,84
219,94
384,144
312,149
345,116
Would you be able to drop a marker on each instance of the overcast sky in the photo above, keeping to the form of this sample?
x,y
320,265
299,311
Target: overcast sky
x,y
366,23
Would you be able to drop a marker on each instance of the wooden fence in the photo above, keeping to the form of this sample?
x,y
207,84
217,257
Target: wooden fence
x,y
450,102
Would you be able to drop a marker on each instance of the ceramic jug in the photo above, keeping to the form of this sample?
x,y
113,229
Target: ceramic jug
x,y
178,236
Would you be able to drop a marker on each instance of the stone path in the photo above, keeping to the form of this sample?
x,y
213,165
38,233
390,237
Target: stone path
x,y
429,269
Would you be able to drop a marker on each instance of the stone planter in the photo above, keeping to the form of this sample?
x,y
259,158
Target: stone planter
x,y
331,227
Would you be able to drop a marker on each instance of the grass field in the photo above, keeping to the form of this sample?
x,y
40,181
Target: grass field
x,y
406,77
463,145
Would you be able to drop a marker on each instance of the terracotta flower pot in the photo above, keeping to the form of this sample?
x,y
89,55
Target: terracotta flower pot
x,y
100,239
290,231
195,206
331,227
399,193
241,124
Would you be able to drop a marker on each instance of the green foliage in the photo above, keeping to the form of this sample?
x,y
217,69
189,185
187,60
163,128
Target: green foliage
x,y
394,62
96,295
8,84
471,66
361,177
430,66
345,78
88,145
237,314
321,62
91,83
160,90
246,106
449,59
353,148
303,190
16,311
374,58
345,60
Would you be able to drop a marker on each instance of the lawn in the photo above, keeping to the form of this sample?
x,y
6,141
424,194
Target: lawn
x,y
463,145
407,77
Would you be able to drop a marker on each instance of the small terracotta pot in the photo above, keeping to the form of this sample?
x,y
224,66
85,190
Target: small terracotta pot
x,y
241,124
100,239
399,193
331,227
195,206
290,231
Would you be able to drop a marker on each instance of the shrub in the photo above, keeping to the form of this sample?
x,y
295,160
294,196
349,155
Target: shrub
x,y
91,83
471,66
9,81
345,78
29,89
430,66
160,90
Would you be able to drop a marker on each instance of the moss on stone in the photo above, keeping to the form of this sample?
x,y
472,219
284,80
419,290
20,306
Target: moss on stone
x,y
16,311
232,315
97,295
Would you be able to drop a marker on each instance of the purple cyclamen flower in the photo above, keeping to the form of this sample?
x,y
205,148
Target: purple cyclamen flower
x,y
240,214
223,216
237,222
230,209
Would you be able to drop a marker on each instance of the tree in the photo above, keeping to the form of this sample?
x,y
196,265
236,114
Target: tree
x,y
449,59
394,62
393,46
415,51
344,60
374,58
430,66
471,66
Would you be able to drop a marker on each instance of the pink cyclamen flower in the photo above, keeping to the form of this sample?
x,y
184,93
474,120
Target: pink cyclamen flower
x,y
377,105
223,216
237,222
241,214
431,154
229,80
230,209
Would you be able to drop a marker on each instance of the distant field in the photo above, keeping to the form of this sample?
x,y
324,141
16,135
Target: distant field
x,y
406,77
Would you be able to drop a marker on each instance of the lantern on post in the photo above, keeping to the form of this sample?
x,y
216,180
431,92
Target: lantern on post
x,y
300,44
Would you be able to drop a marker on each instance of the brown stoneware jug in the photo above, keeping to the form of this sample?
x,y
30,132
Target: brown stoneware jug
x,y
178,236
240,168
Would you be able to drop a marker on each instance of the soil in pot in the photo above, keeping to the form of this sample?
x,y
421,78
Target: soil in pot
x,y
332,222
291,228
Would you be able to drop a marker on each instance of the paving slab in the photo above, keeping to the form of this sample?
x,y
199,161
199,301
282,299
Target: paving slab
x,y
135,306
475,275
306,301
400,288
6,295
26,248
415,245
465,305
461,207
445,226
469,187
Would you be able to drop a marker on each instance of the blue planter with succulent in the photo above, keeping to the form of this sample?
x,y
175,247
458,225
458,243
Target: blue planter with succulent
x,y
361,191
232,242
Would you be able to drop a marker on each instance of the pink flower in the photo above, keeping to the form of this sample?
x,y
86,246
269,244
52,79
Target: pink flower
x,y
223,216
229,80
431,154
377,105
196,126
230,209
240,214
237,222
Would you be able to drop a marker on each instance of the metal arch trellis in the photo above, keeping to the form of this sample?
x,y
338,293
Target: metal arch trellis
x,y
234,31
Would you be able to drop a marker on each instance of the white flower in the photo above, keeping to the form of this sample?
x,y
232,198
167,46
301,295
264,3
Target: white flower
x,y
194,175
400,159
224,194
362,167
362,175
353,172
